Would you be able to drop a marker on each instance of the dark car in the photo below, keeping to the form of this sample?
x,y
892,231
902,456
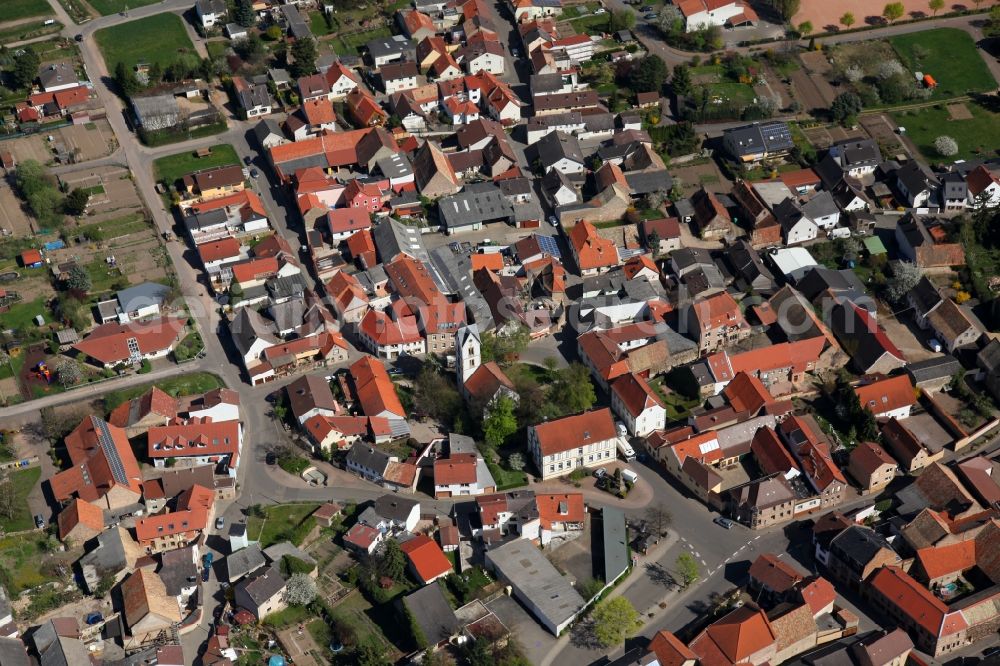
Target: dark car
x,y
204,574
39,521
78,38
247,160
271,458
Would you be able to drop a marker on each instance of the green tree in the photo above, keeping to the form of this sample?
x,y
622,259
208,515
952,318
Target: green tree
x,y
787,8
845,108
805,27
505,347
687,569
370,654
936,6
614,620
572,391
243,13
79,279
649,74
992,27
273,32
893,11
681,81
26,64
128,84
250,49
847,20
623,19
392,562
76,202
303,57
501,422
435,396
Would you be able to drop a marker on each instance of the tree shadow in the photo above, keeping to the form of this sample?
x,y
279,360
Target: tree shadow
x,y
659,575
918,14
583,636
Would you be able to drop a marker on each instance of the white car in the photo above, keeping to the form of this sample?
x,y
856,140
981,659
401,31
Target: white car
x,y
600,10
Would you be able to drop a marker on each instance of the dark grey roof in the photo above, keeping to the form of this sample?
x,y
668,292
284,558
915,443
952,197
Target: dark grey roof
x,y
454,270
691,257
557,145
248,326
296,24
644,182
266,128
858,545
262,587
914,178
937,367
395,166
13,653
599,122
289,314
141,295
211,6
926,295
746,262
368,457
819,279
107,553
475,204
820,205
515,186
178,569
771,137
393,238
394,507
546,83
287,287
210,218
859,333
244,561
57,74
276,552
856,153
989,356
387,47
614,541
954,186
555,120
684,208
430,610
461,444
254,96
914,232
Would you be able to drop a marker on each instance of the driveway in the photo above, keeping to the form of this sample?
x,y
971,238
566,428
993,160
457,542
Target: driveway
x,y
535,641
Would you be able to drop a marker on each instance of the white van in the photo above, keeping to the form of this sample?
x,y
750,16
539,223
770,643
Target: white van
x,y
630,476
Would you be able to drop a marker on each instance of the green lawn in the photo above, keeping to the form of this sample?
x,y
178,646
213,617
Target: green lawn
x,y
318,26
172,168
191,384
975,137
116,228
678,407
730,91
217,48
506,478
106,7
592,24
102,276
24,480
349,44
156,39
189,347
22,314
288,617
951,58
19,9
21,560
283,522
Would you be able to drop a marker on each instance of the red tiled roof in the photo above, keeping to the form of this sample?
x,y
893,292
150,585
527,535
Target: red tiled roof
x,y
490,507
717,311
746,393
818,593
592,250
80,512
869,457
635,393
153,401
770,453
571,432
109,343
887,394
361,536
492,261
917,602
255,269
669,650
244,199
385,330
774,574
636,265
939,561
459,468
196,437
703,447
376,392
227,248
734,638
342,220
487,380
426,557
559,508
193,507
319,111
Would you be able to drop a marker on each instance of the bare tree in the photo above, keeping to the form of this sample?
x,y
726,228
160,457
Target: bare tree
x,y
659,519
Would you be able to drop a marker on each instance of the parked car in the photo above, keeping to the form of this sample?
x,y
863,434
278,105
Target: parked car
x,y
600,472
220,522
724,522
247,160
600,10
205,573
39,521
271,458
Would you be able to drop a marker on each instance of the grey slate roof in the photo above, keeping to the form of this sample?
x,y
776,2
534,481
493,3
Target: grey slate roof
x,y
820,205
614,542
934,368
557,145
141,295
12,652
109,553
455,272
244,561
926,295
394,507
524,565
432,613
368,457
178,569
275,552
954,186
858,545
248,326
297,25
475,204
264,586
393,238
395,46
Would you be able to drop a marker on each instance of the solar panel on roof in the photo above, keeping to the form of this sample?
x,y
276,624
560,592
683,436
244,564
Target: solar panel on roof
x,y
549,246
110,451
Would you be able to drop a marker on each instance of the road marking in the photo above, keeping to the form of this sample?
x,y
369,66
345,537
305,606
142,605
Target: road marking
x,y
696,553
703,562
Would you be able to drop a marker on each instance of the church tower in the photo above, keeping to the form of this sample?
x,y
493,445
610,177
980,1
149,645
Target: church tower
x,y
468,352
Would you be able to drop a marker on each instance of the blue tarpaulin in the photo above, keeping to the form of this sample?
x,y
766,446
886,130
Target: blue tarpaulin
x,y
54,245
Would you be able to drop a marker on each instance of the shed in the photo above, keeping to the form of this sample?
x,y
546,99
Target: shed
x,y
929,81
874,245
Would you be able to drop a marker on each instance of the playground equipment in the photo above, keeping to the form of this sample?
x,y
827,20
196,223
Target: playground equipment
x,y
42,372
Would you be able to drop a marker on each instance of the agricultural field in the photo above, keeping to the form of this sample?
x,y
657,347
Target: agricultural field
x,y
14,10
156,39
106,7
971,125
950,56
172,168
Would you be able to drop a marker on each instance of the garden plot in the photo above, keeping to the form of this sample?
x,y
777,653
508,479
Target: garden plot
x,y
83,142
112,194
14,222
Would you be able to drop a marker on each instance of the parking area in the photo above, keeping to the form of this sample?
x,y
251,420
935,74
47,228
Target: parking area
x,y
536,641
910,340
